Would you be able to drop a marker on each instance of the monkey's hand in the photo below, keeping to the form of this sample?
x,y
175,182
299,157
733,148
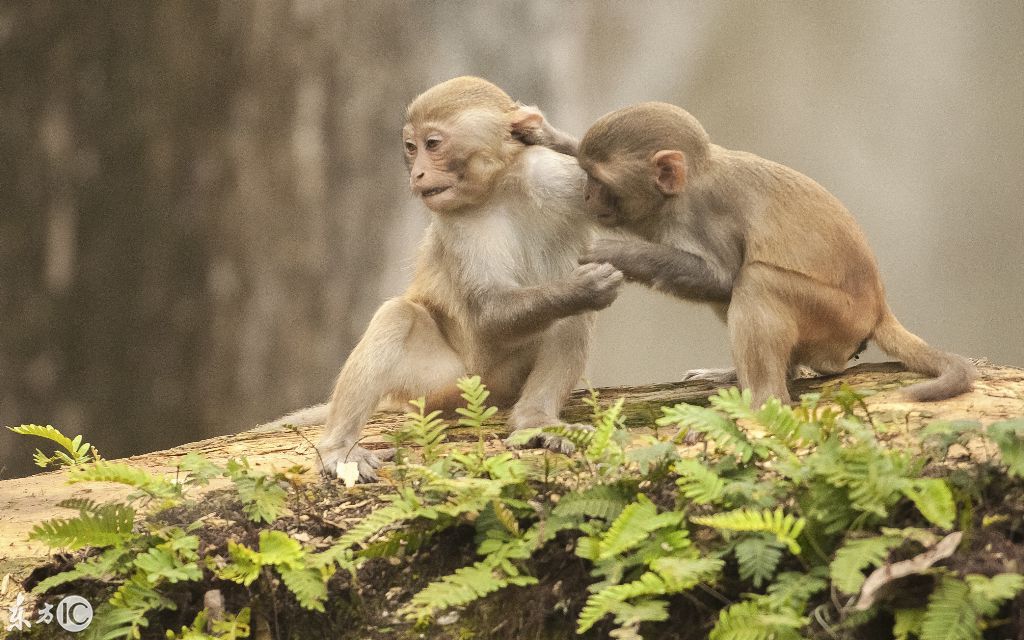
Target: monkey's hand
x,y
595,286
531,128
609,250
367,461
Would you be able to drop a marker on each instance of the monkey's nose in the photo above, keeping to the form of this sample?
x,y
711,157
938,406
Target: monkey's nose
x,y
419,176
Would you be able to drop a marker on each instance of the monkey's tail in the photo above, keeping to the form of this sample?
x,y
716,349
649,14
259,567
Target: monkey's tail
x,y
955,374
308,417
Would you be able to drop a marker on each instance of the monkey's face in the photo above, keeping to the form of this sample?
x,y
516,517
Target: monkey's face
x,y
451,164
433,176
617,198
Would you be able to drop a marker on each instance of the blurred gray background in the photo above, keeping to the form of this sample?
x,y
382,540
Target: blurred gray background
x,y
202,203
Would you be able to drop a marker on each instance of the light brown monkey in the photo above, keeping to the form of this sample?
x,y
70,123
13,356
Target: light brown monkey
x,y
497,290
780,257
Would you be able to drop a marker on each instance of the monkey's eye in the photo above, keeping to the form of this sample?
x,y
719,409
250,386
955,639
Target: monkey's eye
x,y
410,147
433,143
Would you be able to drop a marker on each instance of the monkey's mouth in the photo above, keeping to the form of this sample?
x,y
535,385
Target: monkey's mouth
x,y
429,193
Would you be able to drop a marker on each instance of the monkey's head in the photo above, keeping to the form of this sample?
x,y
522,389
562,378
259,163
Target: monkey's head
x,y
638,159
459,137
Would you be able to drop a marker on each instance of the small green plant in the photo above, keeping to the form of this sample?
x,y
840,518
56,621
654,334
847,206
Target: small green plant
x,y
772,530
75,452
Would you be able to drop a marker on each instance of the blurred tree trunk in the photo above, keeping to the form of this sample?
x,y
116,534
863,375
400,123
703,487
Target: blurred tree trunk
x,y
184,227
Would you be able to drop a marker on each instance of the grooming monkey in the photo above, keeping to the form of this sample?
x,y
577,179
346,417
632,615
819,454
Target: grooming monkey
x,y
778,256
497,290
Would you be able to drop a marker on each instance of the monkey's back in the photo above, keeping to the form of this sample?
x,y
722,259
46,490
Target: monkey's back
x,y
824,243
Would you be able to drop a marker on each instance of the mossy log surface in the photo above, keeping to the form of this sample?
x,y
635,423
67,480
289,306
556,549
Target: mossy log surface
x,y
24,502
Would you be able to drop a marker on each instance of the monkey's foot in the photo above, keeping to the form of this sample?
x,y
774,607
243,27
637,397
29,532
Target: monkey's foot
x,y
332,459
551,442
714,376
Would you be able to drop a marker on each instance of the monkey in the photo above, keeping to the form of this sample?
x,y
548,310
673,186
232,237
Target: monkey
x,y
497,290
778,257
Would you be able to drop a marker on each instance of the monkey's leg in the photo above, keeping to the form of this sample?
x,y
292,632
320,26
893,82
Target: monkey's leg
x,y
561,359
402,353
763,336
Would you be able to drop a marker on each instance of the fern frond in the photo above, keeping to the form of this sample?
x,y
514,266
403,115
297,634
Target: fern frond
x,y
307,584
1009,437
606,423
856,555
933,499
604,501
785,527
98,567
630,528
106,526
714,425
78,452
150,484
950,614
988,594
758,559
380,520
460,588
907,623
263,498
751,620
792,589
697,482
651,456
475,393
667,576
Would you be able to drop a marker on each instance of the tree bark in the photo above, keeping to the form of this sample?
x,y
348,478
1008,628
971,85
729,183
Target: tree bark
x,y
24,502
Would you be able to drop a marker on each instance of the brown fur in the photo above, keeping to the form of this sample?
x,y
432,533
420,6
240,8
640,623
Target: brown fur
x,y
801,283
497,290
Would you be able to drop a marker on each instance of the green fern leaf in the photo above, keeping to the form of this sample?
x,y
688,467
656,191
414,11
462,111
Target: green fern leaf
x,y
106,526
697,482
907,623
933,499
460,588
307,584
100,567
263,498
856,555
78,451
380,520
152,485
785,527
950,614
758,559
600,501
988,594
633,526
714,425
751,620
1009,437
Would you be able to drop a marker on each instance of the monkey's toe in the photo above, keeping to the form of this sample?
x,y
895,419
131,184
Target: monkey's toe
x,y
367,462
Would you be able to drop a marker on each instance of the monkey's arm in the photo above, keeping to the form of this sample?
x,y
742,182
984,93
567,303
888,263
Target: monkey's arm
x,y
674,271
520,311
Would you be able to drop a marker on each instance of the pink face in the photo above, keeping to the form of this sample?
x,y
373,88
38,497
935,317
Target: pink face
x,y
435,174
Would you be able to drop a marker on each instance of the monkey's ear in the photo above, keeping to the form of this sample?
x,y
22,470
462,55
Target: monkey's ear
x,y
669,172
527,123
